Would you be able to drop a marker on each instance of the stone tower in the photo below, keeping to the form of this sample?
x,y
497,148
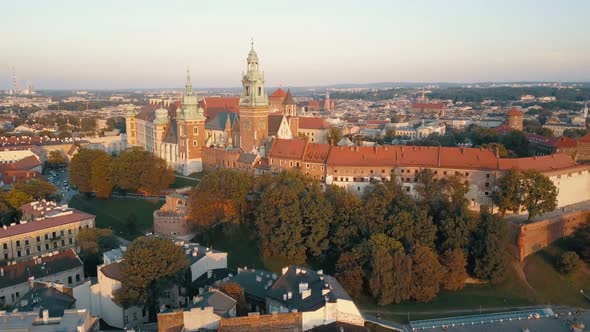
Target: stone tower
x,y
253,106
191,131
515,119
130,127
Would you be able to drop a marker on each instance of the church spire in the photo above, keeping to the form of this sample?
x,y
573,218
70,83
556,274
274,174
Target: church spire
x,y
189,85
253,93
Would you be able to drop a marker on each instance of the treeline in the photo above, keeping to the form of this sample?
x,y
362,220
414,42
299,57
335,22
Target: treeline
x,y
386,243
565,97
133,170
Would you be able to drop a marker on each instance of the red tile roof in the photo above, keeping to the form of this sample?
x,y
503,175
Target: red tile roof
x,y
556,142
552,162
33,226
316,153
214,105
278,93
25,164
515,112
428,106
585,139
287,149
113,271
313,123
10,177
362,156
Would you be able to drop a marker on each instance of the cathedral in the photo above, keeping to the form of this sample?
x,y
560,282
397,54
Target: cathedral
x,y
184,132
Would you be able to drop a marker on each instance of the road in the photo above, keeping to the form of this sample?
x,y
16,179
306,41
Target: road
x,y
58,177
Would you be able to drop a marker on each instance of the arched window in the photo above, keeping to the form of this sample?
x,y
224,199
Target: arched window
x,y
259,91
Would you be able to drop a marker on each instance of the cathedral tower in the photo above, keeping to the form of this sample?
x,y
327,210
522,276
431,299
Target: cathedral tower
x,y
191,131
253,106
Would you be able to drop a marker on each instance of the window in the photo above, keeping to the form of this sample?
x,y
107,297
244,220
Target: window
x,y
77,277
18,243
18,253
46,236
435,172
195,130
382,171
38,239
194,142
69,280
487,184
5,246
63,243
71,241
38,248
69,231
54,234
62,233
46,246
487,193
323,169
5,257
28,251
488,176
126,319
466,173
306,165
445,173
402,171
259,91
247,91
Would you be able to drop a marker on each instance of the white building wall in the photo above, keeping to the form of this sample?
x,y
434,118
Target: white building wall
x,y
572,188
322,316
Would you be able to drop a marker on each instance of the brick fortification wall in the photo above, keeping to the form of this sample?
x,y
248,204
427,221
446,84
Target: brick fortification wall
x,y
537,235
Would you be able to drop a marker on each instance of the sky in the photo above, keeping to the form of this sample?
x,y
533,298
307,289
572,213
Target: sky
x,y
113,44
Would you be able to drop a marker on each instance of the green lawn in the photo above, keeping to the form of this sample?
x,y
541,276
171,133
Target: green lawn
x,y
241,245
113,213
183,182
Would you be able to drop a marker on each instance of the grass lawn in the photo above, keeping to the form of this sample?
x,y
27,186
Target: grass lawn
x,y
241,245
183,182
113,213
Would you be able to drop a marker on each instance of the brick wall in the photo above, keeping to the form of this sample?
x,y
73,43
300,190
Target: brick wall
x,y
171,321
536,236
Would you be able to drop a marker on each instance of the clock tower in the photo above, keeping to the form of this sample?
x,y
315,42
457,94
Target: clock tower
x,y
253,106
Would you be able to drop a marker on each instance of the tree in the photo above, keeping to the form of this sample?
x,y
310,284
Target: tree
x,y
581,241
148,267
455,262
497,147
428,274
344,232
539,193
37,188
220,196
80,170
93,243
350,272
516,141
127,168
488,257
17,198
101,177
568,262
508,195
334,135
156,176
379,248
236,292
56,159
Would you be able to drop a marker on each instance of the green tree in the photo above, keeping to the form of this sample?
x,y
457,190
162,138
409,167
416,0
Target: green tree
x,y
236,292
17,198
488,254
128,167
380,277
56,159
156,176
101,177
539,193
334,135
454,262
37,188
220,196
516,141
93,243
149,266
350,271
344,232
498,148
80,170
428,274
568,262
508,195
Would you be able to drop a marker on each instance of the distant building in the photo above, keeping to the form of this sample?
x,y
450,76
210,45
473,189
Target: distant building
x,y
172,218
431,108
515,119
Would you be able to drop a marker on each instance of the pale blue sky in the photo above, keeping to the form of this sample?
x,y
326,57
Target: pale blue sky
x,y
120,44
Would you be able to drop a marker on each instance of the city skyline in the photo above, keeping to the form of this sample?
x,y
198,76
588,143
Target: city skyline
x,y
101,45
